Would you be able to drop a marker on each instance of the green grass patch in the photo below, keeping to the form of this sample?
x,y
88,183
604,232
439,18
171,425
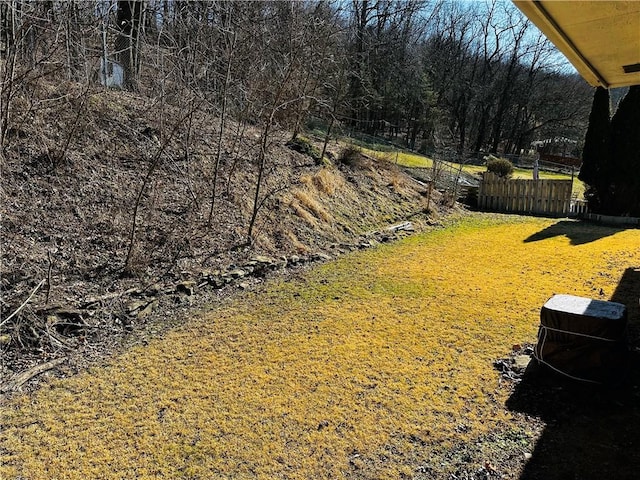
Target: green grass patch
x,y
413,160
404,159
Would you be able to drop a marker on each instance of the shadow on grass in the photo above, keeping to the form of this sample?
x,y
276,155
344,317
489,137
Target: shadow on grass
x,y
576,231
592,432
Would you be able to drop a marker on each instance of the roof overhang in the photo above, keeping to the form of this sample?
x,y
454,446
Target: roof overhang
x,y
601,39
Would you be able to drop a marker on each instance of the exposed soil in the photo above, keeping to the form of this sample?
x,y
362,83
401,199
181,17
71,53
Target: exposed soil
x,y
71,176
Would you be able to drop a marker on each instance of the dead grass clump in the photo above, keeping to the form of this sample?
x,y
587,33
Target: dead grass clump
x,y
399,182
264,242
310,203
307,180
304,214
327,181
295,242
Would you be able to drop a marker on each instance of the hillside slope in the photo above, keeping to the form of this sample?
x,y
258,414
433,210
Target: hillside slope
x,y
106,215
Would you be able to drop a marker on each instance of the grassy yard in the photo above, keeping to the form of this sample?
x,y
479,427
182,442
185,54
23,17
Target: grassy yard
x,y
376,365
413,160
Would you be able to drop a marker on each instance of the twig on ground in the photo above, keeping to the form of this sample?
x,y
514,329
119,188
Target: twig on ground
x,y
46,301
24,304
109,296
23,377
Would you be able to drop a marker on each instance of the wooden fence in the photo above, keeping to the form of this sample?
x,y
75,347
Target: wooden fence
x,y
579,208
540,197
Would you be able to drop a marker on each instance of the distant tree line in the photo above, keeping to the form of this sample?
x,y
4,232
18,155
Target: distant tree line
x,y
469,76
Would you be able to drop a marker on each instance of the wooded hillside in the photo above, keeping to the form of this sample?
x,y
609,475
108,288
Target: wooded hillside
x,y
429,74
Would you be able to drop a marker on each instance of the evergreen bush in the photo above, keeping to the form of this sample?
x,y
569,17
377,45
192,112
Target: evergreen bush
x,y
596,152
500,166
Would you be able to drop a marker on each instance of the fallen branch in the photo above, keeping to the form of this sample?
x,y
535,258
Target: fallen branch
x,y
21,378
24,304
109,296
406,226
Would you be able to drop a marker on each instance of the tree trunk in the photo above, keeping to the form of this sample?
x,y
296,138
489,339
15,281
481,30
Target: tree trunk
x,y
129,17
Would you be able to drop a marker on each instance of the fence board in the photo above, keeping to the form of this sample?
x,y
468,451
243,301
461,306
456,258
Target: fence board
x,y
540,197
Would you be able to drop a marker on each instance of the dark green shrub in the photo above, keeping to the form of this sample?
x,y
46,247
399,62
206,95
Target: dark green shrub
x,y
612,154
596,155
304,146
471,197
350,154
596,143
500,166
624,172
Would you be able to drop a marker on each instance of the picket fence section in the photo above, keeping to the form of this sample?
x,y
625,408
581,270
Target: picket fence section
x,y
539,197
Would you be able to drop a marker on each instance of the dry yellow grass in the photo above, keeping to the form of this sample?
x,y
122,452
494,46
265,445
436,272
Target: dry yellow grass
x,y
295,242
303,213
307,180
308,202
366,366
327,181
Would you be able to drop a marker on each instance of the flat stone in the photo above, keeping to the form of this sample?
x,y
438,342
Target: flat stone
x,y
586,307
293,259
216,282
136,305
521,362
263,259
147,310
209,273
154,289
188,287
237,273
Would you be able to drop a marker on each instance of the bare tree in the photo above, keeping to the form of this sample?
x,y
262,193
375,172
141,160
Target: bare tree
x,y
230,38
